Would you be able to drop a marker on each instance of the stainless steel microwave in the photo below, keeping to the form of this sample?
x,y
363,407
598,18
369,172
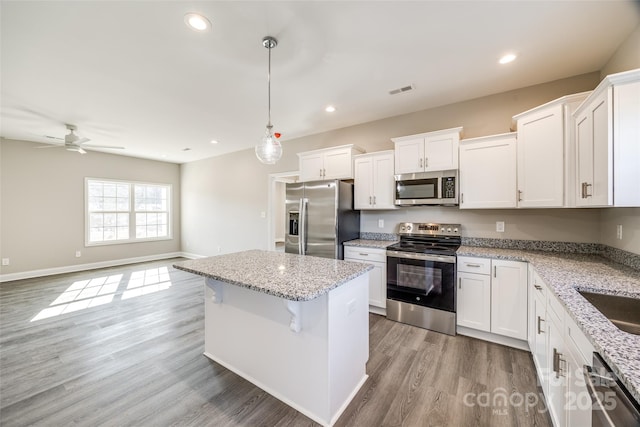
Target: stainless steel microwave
x,y
427,188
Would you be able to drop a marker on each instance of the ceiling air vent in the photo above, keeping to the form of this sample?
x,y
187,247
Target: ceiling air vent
x,y
402,89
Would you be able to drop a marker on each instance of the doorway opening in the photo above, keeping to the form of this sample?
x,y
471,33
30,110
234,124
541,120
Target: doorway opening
x,y
277,199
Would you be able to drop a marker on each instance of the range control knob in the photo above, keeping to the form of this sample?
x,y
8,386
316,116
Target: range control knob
x,y
455,230
417,298
449,229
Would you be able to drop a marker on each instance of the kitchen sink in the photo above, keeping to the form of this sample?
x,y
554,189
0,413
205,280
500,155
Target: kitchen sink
x,y
624,312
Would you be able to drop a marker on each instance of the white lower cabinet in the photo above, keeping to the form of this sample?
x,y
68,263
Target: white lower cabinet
x,y
377,276
560,350
492,296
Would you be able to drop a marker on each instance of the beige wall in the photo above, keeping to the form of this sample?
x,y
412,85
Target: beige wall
x,y
629,218
42,211
222,197
626,57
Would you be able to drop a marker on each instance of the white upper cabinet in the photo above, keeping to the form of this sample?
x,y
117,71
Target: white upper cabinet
x,y
425,152
488,172
374,185
607,127
329,163
545,154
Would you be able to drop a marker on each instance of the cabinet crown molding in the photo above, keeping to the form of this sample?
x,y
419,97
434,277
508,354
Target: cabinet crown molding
x,y
491,137
374,153
426,134
610,80
567,99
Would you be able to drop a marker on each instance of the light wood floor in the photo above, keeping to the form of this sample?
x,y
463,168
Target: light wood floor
x,y
128,351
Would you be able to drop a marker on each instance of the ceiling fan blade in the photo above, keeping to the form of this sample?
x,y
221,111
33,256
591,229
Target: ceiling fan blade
x,y
53,137
81,140
81,151
104,146
51,146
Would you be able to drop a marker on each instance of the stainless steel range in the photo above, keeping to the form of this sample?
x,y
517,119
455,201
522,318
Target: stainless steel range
x,y
421,276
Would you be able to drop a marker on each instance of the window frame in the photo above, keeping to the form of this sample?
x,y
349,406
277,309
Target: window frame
x,y
132,213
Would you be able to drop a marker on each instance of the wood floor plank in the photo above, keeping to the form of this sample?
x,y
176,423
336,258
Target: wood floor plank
x,y
138,362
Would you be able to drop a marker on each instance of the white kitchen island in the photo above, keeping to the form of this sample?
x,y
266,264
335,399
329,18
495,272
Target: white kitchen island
x,y
295,326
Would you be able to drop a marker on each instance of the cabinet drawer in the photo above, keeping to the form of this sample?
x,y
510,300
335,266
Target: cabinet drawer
x,y
365,254
474,265
579,344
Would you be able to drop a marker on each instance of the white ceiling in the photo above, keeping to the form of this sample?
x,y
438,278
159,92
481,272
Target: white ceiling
x,y
131,73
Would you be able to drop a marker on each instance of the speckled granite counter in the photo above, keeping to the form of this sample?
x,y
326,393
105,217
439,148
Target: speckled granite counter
x,y
288,276
365,243
567,273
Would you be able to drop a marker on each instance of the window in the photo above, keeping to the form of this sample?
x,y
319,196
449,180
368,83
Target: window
x,y
124,212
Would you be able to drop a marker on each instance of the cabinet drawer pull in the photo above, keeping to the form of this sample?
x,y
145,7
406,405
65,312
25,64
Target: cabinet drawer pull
x,y
472,265
364,254
540,331
538,287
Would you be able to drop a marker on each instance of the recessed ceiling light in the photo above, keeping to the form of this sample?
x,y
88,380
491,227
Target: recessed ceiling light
x,y
197,22
214,141
507,58
330,109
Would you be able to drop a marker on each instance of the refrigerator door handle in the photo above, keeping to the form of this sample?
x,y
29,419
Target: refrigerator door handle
x,y
302,241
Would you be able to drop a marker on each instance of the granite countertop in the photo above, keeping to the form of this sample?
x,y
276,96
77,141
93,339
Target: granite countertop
x,y
366,243
288,276
565,274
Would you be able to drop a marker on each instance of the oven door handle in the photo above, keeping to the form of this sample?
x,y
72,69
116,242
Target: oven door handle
x,y
422,257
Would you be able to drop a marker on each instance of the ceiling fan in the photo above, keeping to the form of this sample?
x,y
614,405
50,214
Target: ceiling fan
x,y
73,142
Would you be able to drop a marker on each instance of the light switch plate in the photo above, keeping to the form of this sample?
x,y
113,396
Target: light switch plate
x,y
619,231
5,261
500,226
381,223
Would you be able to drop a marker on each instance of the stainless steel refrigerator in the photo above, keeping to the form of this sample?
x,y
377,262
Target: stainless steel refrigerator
x,y
320,217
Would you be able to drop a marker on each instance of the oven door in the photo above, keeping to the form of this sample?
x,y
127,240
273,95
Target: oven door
x,y
422,279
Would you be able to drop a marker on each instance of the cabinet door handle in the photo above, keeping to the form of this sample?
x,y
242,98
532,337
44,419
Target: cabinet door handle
x,y
420,162
370,200
586,192
495,271
461,198
459,282
468,264
540,331
582,193
538,287
320,172
519,195
557,361
374,200
426,162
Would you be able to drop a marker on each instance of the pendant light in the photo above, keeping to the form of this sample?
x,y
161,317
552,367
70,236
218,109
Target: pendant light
x,y
269,150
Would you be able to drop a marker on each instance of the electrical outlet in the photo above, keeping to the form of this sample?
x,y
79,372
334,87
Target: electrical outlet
x,y
263,214
5,261
219,248
78,254
381,223
500,226
619,231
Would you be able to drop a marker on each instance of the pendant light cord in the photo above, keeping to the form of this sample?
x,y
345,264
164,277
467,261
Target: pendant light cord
x,y
269,88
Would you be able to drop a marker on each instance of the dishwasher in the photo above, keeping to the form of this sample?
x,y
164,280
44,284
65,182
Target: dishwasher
x,y
612,405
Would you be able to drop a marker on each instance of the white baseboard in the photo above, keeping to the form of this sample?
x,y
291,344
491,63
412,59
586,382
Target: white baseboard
x,y
89,266
498,339
192,256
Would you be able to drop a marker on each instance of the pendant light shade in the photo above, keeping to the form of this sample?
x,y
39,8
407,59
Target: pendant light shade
x,y
269,149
